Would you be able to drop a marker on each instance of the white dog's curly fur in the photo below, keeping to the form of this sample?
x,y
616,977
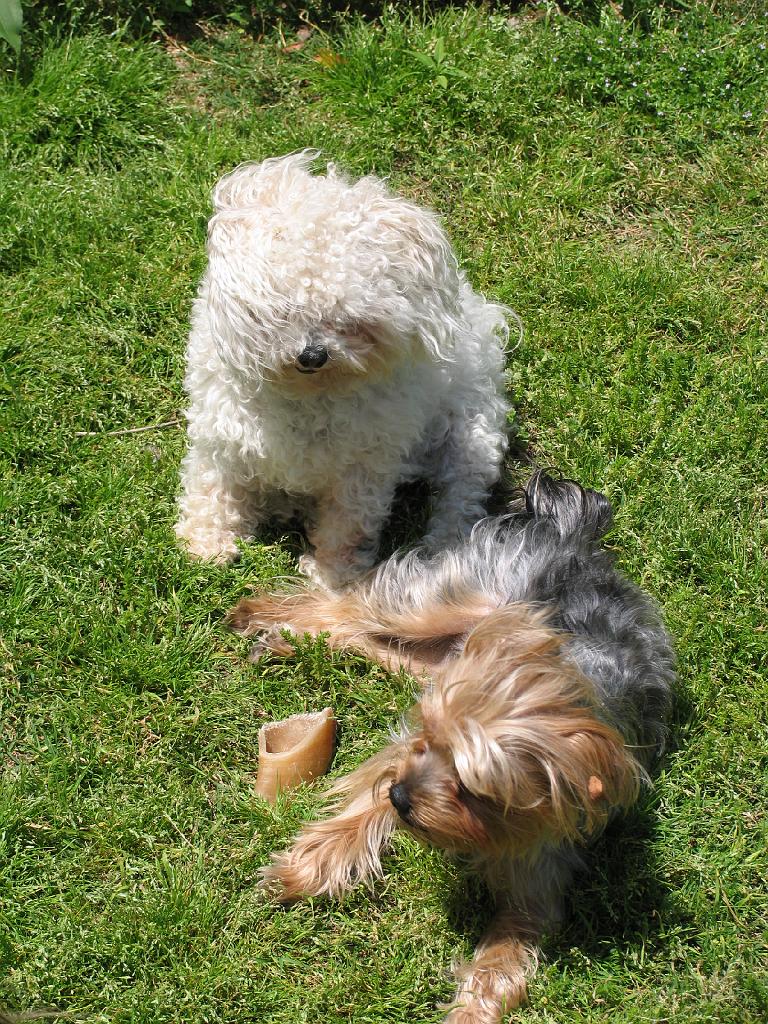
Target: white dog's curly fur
x,y
336,350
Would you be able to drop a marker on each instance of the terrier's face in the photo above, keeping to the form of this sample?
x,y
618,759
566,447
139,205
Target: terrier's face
x,y
315,282
509,752
432,802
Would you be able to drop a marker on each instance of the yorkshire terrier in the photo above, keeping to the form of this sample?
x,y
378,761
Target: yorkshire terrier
x,y
547,684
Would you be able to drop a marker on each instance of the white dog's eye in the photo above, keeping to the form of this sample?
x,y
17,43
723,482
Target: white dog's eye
x,y
355,331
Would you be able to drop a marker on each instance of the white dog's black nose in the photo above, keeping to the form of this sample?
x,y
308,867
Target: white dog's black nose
x,y
398,794
313,357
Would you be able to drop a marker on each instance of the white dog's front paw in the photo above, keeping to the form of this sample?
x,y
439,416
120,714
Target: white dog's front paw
x,y
208,545
320,575
331,577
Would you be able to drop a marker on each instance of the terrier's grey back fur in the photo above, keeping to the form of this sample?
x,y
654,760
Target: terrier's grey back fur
x,y
547,552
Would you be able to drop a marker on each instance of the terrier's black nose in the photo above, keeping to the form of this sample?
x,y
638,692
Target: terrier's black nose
x,y
398,794
313,357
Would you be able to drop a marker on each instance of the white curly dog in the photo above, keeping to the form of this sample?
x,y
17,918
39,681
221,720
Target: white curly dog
x,y
336,350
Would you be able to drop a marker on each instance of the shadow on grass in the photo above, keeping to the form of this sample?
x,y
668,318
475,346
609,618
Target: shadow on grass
x,y
617,903
191,19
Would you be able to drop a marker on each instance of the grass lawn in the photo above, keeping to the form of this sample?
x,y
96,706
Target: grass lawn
x,y
607,182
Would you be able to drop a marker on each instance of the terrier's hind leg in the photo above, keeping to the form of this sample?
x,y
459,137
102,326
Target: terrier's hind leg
x,y
304,611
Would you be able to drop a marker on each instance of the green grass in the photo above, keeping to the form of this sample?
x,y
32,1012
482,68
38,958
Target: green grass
x,y
626,223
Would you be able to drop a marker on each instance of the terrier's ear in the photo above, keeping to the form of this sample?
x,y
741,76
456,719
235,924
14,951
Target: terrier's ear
x,y
595,787
599,771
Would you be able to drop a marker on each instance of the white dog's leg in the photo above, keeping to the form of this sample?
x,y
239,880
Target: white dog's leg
x,y
215,512
466,468
346,530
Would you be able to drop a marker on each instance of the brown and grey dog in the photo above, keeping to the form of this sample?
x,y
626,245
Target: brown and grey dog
x,y
547,686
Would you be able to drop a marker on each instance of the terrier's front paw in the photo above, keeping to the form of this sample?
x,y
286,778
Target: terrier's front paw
x,y
482,1009
490,988
281,881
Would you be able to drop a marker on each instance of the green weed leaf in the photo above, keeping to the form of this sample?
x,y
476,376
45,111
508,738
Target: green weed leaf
x,y
11,19
426,59
453,72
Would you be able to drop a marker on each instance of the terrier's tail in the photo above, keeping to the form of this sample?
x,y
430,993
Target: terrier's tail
x,y
573,508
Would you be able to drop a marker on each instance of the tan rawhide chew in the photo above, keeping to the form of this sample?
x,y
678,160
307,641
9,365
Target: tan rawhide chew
x,y
294,750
